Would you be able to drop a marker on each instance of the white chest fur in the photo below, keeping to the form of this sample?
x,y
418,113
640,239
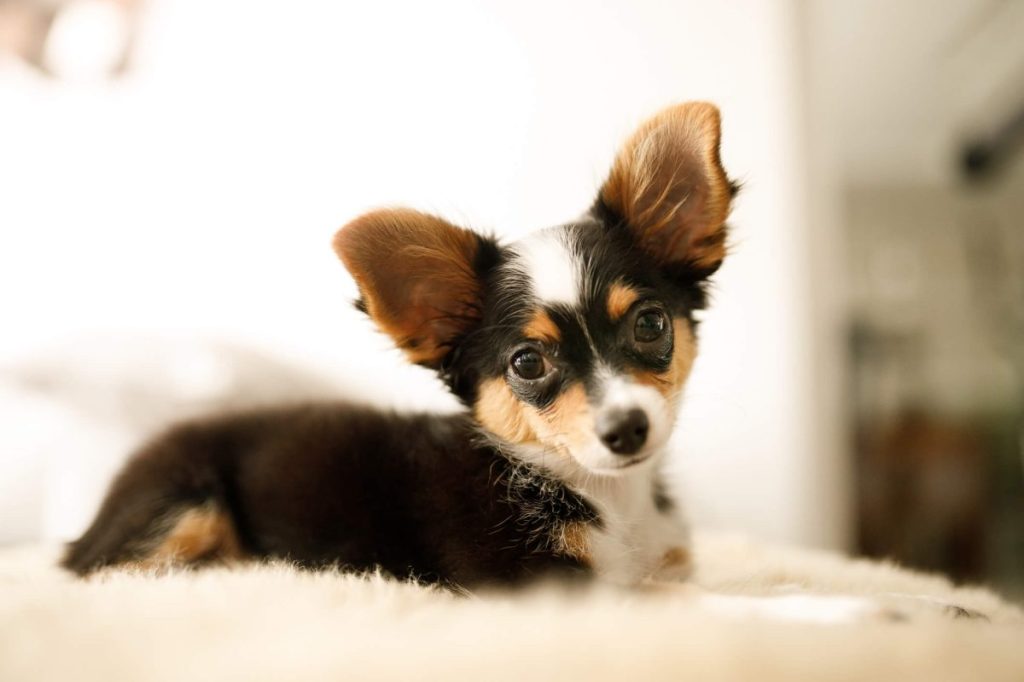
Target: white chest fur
x,y
636,540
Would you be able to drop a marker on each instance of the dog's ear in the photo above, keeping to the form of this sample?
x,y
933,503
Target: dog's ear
x,y
668,188
417,276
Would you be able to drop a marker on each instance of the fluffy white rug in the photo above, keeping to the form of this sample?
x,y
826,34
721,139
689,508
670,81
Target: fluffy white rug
x,y
276,623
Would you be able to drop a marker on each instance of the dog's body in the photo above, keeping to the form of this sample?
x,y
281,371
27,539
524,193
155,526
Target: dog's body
x,y
417,496
570,348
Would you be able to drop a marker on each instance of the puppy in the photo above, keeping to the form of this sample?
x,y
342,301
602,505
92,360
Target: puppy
x,y
569,349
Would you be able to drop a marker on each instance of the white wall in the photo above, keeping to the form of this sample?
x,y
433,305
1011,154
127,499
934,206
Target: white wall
x,y
199,194
903,84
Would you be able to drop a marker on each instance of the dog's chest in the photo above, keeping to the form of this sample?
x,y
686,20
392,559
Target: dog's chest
x,y
636,540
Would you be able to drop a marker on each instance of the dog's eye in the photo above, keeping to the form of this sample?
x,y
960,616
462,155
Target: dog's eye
x,y
650,326
529,364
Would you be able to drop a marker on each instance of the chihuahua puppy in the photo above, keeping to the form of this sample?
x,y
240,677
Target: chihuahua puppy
x,y
570,350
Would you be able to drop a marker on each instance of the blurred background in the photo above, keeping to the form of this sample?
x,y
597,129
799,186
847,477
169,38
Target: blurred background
x,y
172,171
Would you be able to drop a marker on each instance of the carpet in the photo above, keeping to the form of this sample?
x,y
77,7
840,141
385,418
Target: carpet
x,y
273,622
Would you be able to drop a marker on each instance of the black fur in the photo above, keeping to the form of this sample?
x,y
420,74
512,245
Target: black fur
x,y
337,485
663,501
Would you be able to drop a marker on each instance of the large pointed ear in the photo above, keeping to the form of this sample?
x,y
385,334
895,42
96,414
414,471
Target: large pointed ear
x,y
417,277
668,188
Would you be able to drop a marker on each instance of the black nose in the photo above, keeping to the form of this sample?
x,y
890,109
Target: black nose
x,y
624,432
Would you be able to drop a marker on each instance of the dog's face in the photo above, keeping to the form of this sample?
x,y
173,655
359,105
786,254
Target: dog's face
x,y
574,343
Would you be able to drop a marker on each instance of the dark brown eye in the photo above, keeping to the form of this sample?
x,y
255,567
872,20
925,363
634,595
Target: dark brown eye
x,y
650,326
529,364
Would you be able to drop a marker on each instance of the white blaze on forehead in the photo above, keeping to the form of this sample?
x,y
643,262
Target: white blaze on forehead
x,y
551,266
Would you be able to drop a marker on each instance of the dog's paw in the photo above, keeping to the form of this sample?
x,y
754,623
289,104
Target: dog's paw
x,y
837,609
789,604
798,608
907,607
955,611
890,607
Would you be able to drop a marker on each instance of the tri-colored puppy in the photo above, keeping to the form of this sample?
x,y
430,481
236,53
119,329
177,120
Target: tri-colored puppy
x,y
570,349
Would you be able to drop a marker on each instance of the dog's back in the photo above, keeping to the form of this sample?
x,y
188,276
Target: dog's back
x,y
332,484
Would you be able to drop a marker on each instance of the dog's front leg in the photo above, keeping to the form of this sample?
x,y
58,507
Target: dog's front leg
x,y
802,607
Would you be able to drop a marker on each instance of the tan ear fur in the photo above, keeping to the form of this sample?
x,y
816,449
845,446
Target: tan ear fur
x,y
416,275
668,185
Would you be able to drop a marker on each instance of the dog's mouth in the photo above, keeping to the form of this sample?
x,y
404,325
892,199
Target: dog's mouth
x,y
621,464
633,461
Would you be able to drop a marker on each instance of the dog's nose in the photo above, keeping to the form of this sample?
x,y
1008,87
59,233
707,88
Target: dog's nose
x,y
624,432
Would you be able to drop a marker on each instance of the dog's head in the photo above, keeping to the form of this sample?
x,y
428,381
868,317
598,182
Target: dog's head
x,y
575,342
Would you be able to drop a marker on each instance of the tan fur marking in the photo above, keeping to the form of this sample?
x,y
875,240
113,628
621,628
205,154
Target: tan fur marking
x,y
542,328
562,426
620,300
670,383
502,413
675,564
668,184
568,421
199,533
575,541
675,558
